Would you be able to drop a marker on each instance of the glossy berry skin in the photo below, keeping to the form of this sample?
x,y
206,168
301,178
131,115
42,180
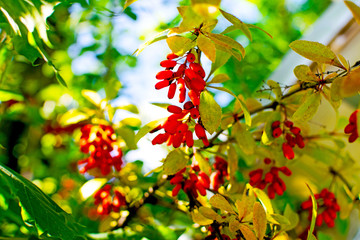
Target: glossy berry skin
x,y
99,141
327,208
351,128
275,184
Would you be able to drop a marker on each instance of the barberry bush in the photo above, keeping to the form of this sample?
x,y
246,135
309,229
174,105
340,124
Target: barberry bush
x,y
259,167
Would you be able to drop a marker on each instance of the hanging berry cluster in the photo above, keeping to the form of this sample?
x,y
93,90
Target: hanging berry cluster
x,y
327,208
100,142
220,166
292,137
190,182
107,202
351,128
179,127
276,184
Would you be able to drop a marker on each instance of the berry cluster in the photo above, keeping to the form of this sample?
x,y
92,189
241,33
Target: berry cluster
x,y
180,125
189,75
292,137
100,142
107,202
220,166
351,128
327,208
276,184
191,183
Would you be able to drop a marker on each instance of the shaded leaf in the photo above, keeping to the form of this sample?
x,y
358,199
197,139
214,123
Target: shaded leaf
x,y
221,58
128,135
174,162
308,108
350,84
316,52
210,112
292,216
207,47
218,201
355,10
234,225
244,138
279,220
232,162
259,220
39,210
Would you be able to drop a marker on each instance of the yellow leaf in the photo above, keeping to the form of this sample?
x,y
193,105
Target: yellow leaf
x,y
220,78
205,8
232,162
355,10
344,62
91,186
208,213
264,199
259,220
247,232
335,90
132,122
308,108
179,45
200,219
244,138
303,73
203,163
207,47
73,116
174,162
147,128
210,112
234,225
227,42
327,94
275,87
221,203
128,3
316,52
350,84
314,214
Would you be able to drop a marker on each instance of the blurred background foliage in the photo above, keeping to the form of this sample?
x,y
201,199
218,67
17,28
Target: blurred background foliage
x,y
89,47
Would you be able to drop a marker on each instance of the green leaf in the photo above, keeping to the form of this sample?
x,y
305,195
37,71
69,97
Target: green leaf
x,y
147,128
130,108
218,201
128,3
355,10
314,214
174,162
254,26
221,58
304,73
210,112
72,116
128,135
237,23
259,220
207,47
275,87
226,42
292,216
242,105
180,45
279,220
316,52
308,108
6,95
131,122
220,78
158,37
39,210
91,96
243,138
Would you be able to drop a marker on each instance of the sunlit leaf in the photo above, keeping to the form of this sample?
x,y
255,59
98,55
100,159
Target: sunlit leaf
x,y
355,10
264,199
174,162
206,9
208,213
90,187
316,52
128,135
232,162
327,94
179,45
207,47
226,42
130,107
246,112
210,112
244,138
220,78
344,62
314,215
308,108
218,201
237,23
147,128
128,3
131,121
350,84
200,219
254,26
275,87
259,220
72,116
203,163
91,96
304,73
6,95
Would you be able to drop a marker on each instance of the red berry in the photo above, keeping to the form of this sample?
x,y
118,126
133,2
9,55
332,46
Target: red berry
x,y
174,109
198,69
353,117
176,190
277,132
189,139
190,57
295,130
288,123
350,128
188,105
199,131
194,97
275,124
162,84
164,74
353,137
267,160
300,141
172,90
194,113
288,151
168,63
171,56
